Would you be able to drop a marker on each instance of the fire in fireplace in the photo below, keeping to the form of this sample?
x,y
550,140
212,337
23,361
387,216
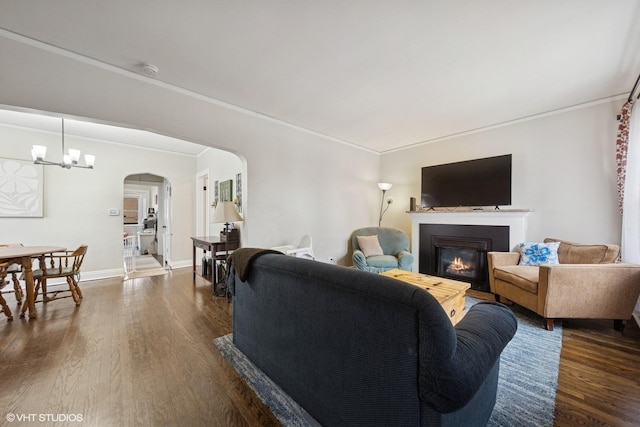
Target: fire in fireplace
x,y
458,258
458,262
459,252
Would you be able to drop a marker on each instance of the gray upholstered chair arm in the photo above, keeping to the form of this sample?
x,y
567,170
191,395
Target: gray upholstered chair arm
x,y
405,260
449,383
359,260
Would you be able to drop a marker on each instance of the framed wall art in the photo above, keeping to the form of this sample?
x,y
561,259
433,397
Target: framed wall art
x,y
226,190
21,189
239,192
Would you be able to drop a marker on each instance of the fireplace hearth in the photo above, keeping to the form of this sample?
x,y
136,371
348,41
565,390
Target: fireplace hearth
x,y
459,252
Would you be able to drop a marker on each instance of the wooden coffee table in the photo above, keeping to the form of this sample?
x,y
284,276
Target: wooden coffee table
x,y
449,293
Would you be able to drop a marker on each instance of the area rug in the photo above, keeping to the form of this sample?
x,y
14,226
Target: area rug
x,y
526,386
146,273
528,377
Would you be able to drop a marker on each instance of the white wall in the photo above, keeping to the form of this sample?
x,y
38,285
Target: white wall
x,y
220,166
297,182
300,185
563,169
76,201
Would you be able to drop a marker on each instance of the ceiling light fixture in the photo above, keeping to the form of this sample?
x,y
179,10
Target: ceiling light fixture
x,y
70,160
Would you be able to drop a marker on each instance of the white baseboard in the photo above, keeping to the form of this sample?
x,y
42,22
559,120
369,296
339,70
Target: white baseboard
x,y
86,276
182,264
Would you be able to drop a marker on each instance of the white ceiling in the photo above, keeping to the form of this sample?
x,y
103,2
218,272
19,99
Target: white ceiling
x,y
378,74
99,131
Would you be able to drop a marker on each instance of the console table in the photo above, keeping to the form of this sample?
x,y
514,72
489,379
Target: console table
x,y
217,247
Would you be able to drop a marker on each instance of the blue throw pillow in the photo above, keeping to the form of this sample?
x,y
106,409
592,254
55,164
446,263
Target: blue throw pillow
x,y
539,253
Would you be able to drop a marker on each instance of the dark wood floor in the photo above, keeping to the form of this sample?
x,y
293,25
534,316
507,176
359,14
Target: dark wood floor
x,y
134,353
141,353
599,378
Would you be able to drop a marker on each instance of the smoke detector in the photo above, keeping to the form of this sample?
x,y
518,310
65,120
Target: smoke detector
x,y
150,70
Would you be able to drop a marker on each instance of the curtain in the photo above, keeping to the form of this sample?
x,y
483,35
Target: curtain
x,y
631,203
622,143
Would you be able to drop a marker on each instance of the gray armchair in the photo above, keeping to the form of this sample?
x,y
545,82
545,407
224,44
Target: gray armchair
x,y
392,252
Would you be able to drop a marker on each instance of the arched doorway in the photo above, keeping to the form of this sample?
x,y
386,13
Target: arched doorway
x,y
146,224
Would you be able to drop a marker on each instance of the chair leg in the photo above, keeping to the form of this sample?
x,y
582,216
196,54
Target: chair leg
x,y
40,284
5,308
17,288
549,324
76,285
72,288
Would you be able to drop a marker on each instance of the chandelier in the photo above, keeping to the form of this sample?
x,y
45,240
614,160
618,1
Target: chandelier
x,y
69,160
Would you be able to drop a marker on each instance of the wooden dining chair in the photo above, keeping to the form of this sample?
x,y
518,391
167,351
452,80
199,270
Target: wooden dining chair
x,y
13,270
57,265
4,268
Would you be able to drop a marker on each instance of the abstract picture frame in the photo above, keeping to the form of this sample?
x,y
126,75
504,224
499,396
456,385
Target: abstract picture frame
x,y
21,189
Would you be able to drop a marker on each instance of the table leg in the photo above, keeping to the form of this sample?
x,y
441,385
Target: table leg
x,y
214,272
194,262
29,284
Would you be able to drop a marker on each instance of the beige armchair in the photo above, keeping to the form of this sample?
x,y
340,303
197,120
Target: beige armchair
x,y
588,283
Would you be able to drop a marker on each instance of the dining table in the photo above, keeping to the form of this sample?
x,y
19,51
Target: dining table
x,y
23,255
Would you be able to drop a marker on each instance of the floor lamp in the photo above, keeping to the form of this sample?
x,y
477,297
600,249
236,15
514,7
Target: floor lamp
x,y
384,186
226,213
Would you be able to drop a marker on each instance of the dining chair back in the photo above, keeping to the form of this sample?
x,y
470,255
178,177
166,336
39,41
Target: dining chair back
x,y
66,265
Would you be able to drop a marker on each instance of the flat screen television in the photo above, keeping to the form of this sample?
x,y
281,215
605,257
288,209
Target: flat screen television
x,y
472,183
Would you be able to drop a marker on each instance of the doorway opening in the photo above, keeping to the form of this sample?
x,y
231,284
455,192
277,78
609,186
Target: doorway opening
x,y
146,225
202,203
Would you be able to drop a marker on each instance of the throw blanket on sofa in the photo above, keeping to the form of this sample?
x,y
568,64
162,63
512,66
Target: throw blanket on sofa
x,y
242,258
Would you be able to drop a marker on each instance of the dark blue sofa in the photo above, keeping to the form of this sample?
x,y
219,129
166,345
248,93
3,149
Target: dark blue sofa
x,y
356,348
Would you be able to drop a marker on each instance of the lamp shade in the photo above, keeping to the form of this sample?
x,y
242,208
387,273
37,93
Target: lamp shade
x,y
74,155
384,186
90,160
226,212
38,152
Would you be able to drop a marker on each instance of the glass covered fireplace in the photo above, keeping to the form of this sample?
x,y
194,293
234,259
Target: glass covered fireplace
x,y
459,259
459,252
458,263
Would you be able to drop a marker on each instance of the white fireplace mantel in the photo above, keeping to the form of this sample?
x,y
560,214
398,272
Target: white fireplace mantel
x,y
515,219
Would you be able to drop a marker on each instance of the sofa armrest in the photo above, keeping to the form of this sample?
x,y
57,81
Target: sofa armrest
x,y
500,259
405,260
606,291
359,260
448,381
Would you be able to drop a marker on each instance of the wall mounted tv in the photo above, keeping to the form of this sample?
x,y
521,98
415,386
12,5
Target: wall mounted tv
x,y
472,183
